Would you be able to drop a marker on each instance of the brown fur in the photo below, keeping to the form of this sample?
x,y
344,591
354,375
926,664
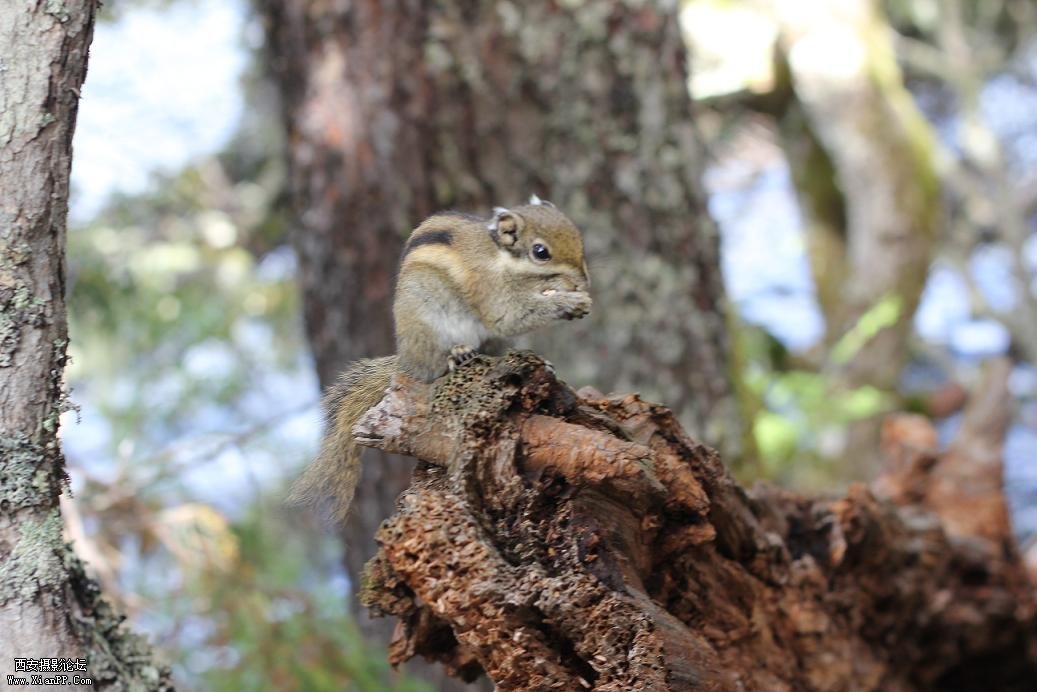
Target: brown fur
x,y
486,273
336,471
465,284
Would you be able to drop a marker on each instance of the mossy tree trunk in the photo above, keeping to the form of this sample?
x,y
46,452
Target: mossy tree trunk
x,y
48,607
865,161
397,109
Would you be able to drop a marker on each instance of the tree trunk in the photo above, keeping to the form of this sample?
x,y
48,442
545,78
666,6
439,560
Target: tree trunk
x,y
555,540
397,109
863,161
48,607
872,234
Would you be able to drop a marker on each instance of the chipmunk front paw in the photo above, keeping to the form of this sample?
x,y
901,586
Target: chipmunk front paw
x,y
573,305
460,356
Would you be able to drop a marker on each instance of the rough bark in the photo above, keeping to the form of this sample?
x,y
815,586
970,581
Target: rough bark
x,y
349,76
562,540
47,605
397,109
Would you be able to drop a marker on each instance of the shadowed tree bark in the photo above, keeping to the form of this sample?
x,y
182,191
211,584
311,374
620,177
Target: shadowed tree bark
x,y
48,607
397,109
562,540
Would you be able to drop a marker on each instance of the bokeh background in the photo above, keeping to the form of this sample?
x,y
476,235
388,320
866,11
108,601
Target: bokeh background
x,y
871,168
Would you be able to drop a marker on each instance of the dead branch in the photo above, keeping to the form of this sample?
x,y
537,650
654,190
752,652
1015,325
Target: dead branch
x,y
554,541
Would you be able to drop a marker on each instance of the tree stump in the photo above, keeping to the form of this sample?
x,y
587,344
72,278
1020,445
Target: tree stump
x,y
560,540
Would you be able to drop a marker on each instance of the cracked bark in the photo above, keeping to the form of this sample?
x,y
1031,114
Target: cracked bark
x,y
48,607
560,540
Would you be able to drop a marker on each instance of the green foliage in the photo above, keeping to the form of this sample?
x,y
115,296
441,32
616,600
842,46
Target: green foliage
x,y
114,10
885,313
803,413
289,631
170,314
183,308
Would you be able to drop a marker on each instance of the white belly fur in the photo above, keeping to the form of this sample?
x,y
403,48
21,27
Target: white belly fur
x,y
456,327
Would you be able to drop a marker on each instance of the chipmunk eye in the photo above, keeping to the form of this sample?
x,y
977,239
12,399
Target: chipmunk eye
x,y
540,252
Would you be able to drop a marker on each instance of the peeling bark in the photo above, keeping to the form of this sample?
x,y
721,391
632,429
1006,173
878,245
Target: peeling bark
x,y
560,540
48,607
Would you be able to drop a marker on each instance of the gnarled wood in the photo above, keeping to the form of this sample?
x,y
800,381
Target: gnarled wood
x,y
559,541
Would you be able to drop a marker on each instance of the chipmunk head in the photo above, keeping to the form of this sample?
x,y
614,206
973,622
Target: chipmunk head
x,y
545,240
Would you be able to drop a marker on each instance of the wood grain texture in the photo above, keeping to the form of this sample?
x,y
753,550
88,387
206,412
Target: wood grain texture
x,y
558,541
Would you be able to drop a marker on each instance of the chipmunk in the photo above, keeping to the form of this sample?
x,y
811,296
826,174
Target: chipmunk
x,y
465,285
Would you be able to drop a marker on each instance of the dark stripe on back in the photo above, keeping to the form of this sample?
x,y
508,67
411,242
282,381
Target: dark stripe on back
x,y
460,215
428,238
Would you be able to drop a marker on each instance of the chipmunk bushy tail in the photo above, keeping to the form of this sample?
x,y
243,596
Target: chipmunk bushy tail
x,y
333,476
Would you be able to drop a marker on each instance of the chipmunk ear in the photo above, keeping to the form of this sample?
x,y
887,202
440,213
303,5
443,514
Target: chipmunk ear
x,y
505,226
535,200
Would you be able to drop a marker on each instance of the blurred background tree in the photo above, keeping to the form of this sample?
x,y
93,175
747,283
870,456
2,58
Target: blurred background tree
x,y
871,168
584,104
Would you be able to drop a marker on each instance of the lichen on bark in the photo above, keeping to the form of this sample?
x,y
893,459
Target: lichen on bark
x,y
48,606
